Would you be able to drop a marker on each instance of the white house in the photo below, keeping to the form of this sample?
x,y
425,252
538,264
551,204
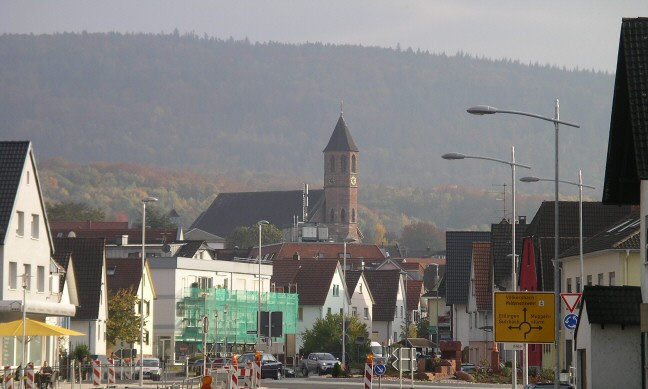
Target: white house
x,y
29,279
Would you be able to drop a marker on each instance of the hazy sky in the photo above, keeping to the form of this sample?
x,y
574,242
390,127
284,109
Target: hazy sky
x,y
571,33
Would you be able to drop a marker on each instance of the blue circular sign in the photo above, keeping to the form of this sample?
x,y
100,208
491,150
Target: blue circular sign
x,y
380,369
571,320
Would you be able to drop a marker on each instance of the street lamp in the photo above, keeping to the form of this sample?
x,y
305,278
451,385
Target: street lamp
x,y
345,241
225,326
512,164
143,274
25,281
580,186
260,223
487,110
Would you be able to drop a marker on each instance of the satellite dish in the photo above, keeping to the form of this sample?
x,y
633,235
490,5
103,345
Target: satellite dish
x,y
166,248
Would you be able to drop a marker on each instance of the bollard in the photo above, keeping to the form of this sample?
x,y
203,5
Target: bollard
x,y
111,372
368,376
8,378
257,370
234,371
96,373
29,374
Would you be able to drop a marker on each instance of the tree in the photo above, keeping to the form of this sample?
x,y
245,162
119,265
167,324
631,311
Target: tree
x,y
408,329
326,335
420,236
123,324
156,219
71,211
245,237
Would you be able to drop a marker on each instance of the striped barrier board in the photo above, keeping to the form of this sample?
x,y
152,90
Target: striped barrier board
x,y
368,376
8,378
111,372
96,373
29,373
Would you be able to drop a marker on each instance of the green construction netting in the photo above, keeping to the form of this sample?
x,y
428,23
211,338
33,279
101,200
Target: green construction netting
x,y
232,314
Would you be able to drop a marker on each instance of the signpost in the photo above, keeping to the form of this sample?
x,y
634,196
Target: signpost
x,y
407,355
379,370
570,321
571,300
524,317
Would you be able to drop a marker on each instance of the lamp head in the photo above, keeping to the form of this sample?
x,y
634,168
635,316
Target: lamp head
x,y
452,156
263,222
482,110
149,199
529,179
349,240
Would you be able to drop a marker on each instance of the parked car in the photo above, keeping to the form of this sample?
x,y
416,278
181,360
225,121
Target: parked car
x,y
150,369
320,363
270,366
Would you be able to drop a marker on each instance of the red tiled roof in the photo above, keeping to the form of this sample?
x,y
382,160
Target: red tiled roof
x,y
320,250
312,277
384,287
127,273
153,235
88,225
414,291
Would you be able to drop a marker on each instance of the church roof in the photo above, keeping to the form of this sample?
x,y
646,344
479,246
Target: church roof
x,y
231,210
341,139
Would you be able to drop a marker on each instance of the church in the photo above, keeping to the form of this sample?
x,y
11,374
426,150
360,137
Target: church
x,y
328,214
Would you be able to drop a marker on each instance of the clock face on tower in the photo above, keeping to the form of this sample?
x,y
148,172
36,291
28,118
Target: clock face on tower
x,y
353,180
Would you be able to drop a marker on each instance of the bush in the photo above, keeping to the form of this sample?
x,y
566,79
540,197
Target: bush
x,y
337,370
81,351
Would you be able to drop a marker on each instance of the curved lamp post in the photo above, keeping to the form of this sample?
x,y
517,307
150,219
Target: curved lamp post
x,y
260,223
347,240
144,201
488,110
512,164
580,212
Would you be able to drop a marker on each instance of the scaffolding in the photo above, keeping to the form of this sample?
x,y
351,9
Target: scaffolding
x,y
232,315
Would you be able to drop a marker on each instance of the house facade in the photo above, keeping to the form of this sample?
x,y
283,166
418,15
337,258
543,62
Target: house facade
x,y
29,279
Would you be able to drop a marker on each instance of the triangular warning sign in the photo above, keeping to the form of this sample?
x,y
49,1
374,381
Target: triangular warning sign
x,y
571,300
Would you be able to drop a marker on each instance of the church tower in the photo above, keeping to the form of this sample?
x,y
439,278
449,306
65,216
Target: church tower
x,y
340,212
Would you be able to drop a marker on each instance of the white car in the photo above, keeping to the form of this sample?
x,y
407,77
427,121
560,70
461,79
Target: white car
x,y
151,368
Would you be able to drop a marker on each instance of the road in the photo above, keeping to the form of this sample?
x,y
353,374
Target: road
x,y
333,383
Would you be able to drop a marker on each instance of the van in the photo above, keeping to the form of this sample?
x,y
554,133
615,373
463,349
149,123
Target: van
x,y
378,353
151,368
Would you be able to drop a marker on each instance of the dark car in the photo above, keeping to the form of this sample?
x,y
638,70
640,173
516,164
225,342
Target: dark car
x,y
547,385
270,366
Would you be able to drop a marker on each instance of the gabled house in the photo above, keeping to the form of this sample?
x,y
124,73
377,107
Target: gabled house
x,y
362,300
459,256
88,256
609,325
26,264
124,274
388,290
319,285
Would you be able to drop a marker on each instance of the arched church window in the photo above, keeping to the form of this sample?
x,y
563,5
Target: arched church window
x,y
344,163
353,164
332,217
343,216
353,215
332,164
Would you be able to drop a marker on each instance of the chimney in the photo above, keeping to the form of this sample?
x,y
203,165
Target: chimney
x,y
296,256
521,220
121,240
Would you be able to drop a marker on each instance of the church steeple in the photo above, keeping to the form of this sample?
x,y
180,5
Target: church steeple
x,y
341,183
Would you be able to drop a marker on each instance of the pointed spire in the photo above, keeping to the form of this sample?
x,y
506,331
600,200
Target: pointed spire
x,y
341,139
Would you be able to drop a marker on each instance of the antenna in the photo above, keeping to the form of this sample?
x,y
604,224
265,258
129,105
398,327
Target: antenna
x,y
305,203
503,199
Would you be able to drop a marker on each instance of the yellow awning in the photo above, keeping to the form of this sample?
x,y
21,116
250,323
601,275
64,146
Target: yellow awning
x,y
34,328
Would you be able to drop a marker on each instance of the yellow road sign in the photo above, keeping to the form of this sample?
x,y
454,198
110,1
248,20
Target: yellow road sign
x,y
525,317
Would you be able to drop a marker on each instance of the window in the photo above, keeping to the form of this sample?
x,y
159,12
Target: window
x,y
600,279
13,275
569,285
332,164
395,335
401,311
147,307
343,216
353,215
612,279
344,163
579,288
328,311
366,313
353,164
341,311
354,311
589,280
300,314
40,279
205,282
226,283
336,290
34,226
20,230
395,313
360,288
27,279
332,217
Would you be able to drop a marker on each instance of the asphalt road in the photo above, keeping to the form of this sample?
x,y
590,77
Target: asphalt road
x,y
332,383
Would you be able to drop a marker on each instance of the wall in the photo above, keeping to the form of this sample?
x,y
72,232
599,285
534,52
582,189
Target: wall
x,y
615,350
